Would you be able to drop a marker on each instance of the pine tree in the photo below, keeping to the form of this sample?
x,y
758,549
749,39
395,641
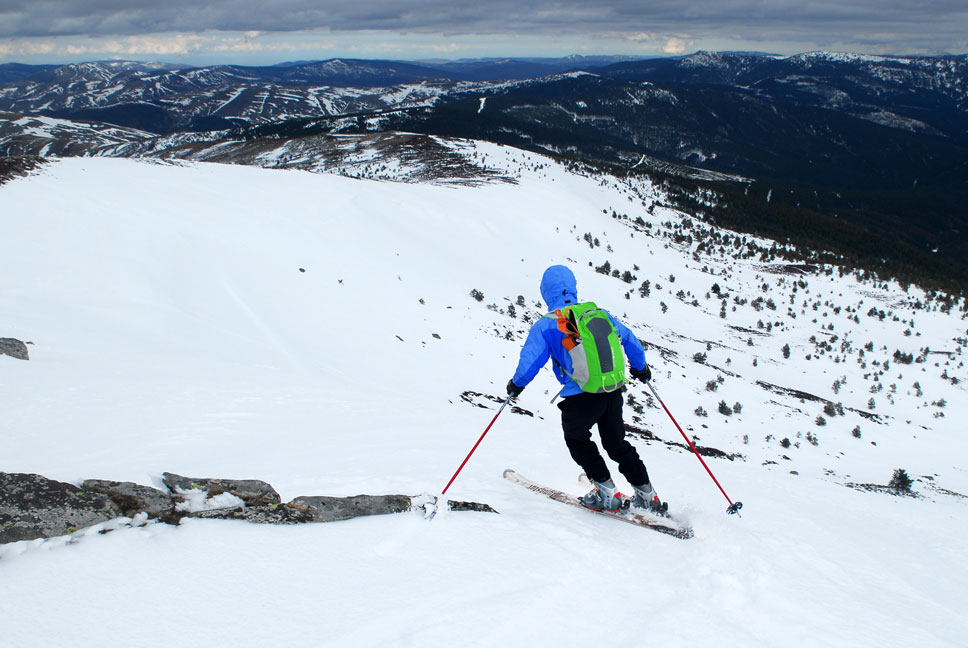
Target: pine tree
x,y
900,483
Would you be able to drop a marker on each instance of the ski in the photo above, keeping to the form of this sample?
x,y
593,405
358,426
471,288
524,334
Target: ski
x,y
667,525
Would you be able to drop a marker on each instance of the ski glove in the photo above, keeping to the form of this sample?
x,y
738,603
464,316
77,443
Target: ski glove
x,y
513,390
644,374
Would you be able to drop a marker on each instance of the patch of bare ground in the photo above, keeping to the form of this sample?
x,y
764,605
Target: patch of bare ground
x,y
17,166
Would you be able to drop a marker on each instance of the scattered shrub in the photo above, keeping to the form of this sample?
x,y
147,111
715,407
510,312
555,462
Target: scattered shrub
x,y
900,482
634,404
903,358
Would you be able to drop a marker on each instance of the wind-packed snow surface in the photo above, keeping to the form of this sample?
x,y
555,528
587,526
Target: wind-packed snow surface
x,y
318,332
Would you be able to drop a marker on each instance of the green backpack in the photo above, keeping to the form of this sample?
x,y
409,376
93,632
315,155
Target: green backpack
x,y
592,341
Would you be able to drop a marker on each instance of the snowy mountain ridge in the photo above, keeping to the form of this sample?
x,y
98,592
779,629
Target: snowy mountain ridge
x,y
191,318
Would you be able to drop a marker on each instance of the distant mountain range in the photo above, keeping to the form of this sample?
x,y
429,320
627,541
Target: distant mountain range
x,y
877,142
927,95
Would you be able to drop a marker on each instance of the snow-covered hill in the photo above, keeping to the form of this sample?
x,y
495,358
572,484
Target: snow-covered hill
x,y
318,332
401,157
46,136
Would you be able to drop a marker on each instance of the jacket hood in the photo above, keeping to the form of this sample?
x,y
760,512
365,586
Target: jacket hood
x,y
559,287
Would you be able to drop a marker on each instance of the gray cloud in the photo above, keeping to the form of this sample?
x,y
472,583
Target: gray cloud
x,y
124,17
926,24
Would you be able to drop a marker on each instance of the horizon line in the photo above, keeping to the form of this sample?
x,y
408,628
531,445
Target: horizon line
x,y
630,57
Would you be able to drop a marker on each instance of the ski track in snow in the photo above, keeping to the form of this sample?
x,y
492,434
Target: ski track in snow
x,y
173,331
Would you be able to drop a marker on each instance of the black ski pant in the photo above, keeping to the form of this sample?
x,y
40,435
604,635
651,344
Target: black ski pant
x,y
579,413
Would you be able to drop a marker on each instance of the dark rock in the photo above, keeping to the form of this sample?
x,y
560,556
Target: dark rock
x,y
476,398
13,348
251,491
453,505
134,498
32,506
331,509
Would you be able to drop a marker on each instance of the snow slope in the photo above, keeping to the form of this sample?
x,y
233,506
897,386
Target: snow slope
x,y
173,330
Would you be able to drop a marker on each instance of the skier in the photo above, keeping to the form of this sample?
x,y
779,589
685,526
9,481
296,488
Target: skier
x,y
581,410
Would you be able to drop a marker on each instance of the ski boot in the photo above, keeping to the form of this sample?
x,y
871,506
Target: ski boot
x,y
646,499
603,497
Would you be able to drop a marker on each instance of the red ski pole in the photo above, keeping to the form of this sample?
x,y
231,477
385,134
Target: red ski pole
x,y
463,463
733,508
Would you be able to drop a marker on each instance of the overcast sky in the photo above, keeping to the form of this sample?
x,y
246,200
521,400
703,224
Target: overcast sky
x,y
271,31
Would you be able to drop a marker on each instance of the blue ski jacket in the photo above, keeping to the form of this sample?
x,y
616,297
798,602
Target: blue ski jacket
x,y
559,289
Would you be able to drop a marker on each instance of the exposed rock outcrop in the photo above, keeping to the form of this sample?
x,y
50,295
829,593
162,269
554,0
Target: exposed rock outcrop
x,y
477,507
13,348
133,498
273,514
251,491
15,166
33,506
331,509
